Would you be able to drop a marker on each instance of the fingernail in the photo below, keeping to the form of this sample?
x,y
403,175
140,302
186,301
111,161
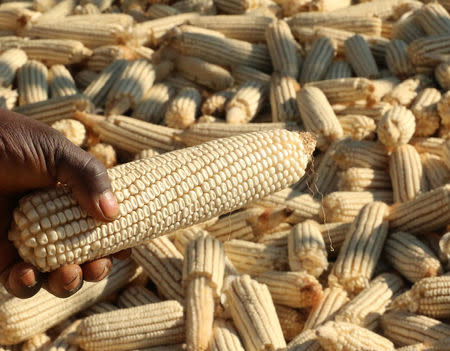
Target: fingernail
x,y
72,283
108,204
28,277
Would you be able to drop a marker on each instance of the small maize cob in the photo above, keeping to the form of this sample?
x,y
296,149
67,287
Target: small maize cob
x,y
425,110
242,74
105,153
407,176
428,296
13,18
61,82
181,238
204,7
10,61
412,258
436,172
332,301
252,258
404,328
183,109
428,51
291,321
358,54
153,107
334,336
246,103
396,127
397,59
163,264
364,179
431,145
434,19
282,48
371,303
305,341
375,111
306,249
215,104
38,342
241,27
442,75
8,98
254,314
278,238
283,91
317,61
136,296
407,28
292,289
358,127
72,130
338,69
362,247
404,93
86,9
159,10
235,6
427,212
367,154
103,56
334,235
384,85
85,77
225,337
59,11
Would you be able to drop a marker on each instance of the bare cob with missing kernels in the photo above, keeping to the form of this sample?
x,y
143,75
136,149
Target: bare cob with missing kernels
x,y
425,110
183,109
362,247
411,257
397,59
10,61
317,61
246,103
442,75
254,314
203,272
32,83
364,179
306,249
360,57
283,91
396,127
225,337
61,82
136,296
358,127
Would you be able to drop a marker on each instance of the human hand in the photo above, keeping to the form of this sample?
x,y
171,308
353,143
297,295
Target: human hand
x,y
33,156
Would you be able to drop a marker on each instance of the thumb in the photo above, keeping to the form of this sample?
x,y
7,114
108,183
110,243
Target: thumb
x,y
88,180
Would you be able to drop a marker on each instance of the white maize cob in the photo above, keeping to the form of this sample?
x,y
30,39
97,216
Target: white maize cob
x,y
105,153
10,61
425,110
86,9
59,11
358,127
429,50
442,75
435,169
61,82
215,104
204,7
396,127
404,93
415,347
364,179
367,154
235,6
305,341
431,145
32,82
397,59
334,235
136,296
103,56
360,57
38,342
434,19
8,98
152,108
225,337
375,111
85,77
338,69
183,109
159,10
283,91
243,73
246,103
317,61
72,130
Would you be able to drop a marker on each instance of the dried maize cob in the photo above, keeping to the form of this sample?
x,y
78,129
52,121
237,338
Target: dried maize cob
x,y
201,72
384,85
181,238
203,272
17,316
152,108
428,296
159,10
366,307
278,237
407,28
306,249
436,172
292,289
283,48
404,93
367,154
204,7
332,301
61,82
338,69
429,50
382,9
305,341
235,6
62,341
85,77
375,111
431,145
425,110
8,98
246,103
38,342
334,336
396,127
57,12
444,249
163,264
215,104
136,296
221,51
242,27
86,9
404,328
283,101
72,130
334,235
159,323
225,337
446,153
317,61
32,82
55,109
252,258
360,57
103,56
10,61
415,347
99,307
442,75
291,321
364,179
183,109
358,127
105,153
147,153
254,314
362,247
427,212
14,17
397,59
434,19
242,74
407,176
178,82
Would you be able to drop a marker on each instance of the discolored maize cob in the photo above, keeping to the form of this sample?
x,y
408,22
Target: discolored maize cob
x,y
334,235
61,82
72,130
136,296
364,179
371,303
396,127
442,75
283,48
291,321
428,51
10,61
367,154
397,59
246,103
358,127
283,91
32,82
163,264
220,50
332,301
358,54
407,28
317,61
428,296
362,247
412,258
242,74
254,314
183,109
306,249
427,212
434,19
252,258
159,324
334,336
225,337
305,341
425,110
105,153
407,176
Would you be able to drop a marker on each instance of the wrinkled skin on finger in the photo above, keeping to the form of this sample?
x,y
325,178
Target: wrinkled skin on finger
x,y
35,156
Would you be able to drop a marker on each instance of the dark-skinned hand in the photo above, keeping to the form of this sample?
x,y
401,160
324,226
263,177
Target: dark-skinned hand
x,y
34,156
